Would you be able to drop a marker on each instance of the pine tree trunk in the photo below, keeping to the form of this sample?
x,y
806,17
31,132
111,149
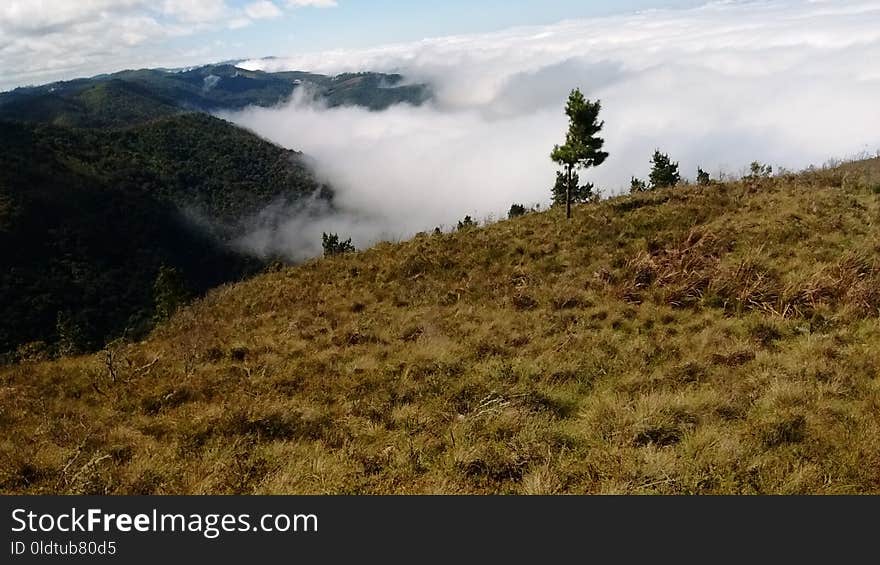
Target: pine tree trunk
x,y
568,195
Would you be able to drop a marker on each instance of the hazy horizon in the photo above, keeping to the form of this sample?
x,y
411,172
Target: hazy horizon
x,y
718,87
57,40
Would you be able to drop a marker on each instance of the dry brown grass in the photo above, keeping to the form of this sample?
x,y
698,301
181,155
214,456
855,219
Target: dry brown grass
x,y
714,339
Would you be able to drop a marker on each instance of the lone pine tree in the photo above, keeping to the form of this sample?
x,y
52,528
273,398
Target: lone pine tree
x,y
583,147
664,172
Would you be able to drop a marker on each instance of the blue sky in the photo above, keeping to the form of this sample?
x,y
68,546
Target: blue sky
x,y
62,39
361,23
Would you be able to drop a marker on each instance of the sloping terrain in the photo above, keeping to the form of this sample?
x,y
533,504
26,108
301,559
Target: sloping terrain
x,y
112,103
203,164
132,97
712,339
88,217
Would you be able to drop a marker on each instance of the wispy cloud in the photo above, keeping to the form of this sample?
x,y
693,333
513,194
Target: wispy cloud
x,y
788,82
262,9
196,11
48,40
312,3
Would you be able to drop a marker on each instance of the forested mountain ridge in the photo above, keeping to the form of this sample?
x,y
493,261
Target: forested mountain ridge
x,y
112,103
130,97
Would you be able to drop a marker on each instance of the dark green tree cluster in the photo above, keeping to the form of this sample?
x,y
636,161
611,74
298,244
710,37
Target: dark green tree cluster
x,y
517,211
582,148
664,172
703,178
467,223
334,246
638,185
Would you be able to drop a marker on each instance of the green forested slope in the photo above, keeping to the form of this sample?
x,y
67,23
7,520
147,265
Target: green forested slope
x,y
87,218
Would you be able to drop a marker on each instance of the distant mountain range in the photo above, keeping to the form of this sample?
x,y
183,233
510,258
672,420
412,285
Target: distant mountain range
x,y
132,97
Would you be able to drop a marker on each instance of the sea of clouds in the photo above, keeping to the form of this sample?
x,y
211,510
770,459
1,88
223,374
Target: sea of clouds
x,y
788,82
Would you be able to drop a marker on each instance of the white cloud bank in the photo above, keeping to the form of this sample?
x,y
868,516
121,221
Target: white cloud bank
x,y
46,40
787,82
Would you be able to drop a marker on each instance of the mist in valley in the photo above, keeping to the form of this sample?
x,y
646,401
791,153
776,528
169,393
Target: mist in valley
x,y
716,87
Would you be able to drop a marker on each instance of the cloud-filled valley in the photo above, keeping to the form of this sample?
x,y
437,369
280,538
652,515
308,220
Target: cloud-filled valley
x,y
790,83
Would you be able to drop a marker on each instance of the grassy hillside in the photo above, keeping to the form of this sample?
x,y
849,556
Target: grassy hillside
x,y
718,339
88,217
